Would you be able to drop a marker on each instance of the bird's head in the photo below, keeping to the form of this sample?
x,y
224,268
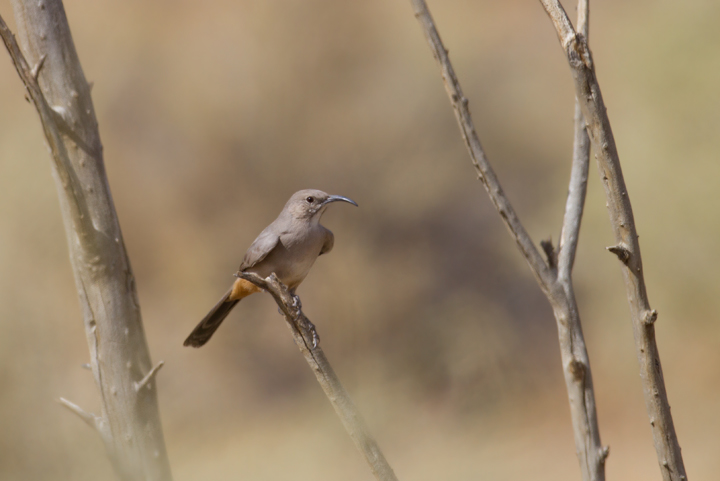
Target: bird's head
x,y
311,203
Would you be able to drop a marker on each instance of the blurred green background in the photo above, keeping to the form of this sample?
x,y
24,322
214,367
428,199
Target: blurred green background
x,y
212,113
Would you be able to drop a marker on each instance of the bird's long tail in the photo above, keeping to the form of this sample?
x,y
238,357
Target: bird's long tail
x,y
207,327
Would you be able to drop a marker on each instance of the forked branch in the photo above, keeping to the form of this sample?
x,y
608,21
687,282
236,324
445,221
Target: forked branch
x,y
554,277
587,91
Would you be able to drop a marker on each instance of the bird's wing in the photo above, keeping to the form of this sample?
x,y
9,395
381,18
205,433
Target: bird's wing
x,y
328,243
260,248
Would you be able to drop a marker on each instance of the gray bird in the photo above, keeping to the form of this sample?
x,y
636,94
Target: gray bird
x,y
288,247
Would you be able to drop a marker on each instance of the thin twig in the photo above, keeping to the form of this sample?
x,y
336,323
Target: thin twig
x,y
89,418
302,331
576,364
587,91
149,376
482,166
576,197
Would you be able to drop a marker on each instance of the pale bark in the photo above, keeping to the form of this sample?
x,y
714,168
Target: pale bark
x,y
129,423
627,248
306,339
554,277
586,430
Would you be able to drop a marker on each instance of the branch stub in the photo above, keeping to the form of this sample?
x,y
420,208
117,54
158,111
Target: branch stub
x,y
650,317
621,251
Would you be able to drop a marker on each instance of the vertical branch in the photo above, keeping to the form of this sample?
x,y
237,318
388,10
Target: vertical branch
x,y
578,176
555,282
586,430
587,91
129,423
303,333
576,197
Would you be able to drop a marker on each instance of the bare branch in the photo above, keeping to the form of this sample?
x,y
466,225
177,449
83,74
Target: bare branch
x,y
583,19
302,331
89,418
576,364
576,198
63,166
587,91
150,376
586,429
129,424
479,160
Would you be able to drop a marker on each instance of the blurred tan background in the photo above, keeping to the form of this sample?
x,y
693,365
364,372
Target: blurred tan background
x,y
212,113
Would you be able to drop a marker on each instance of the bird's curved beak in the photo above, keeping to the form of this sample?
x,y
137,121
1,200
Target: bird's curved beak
x,y
335,198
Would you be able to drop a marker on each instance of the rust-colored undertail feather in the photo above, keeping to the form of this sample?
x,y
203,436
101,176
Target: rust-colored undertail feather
x,y
207,327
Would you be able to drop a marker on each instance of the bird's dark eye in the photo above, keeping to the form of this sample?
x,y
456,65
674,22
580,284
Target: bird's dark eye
x,y
310,200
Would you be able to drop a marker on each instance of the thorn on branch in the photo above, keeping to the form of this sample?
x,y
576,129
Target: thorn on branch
x,y
89,418
650,317
86,365
604,452
61,114
35,72
148,377
550,253
622,252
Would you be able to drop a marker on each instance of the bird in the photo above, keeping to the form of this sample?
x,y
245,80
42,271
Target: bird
x,y
287,247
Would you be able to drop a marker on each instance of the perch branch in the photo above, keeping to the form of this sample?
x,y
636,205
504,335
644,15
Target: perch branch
x,y
302,331
556,284
587,91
